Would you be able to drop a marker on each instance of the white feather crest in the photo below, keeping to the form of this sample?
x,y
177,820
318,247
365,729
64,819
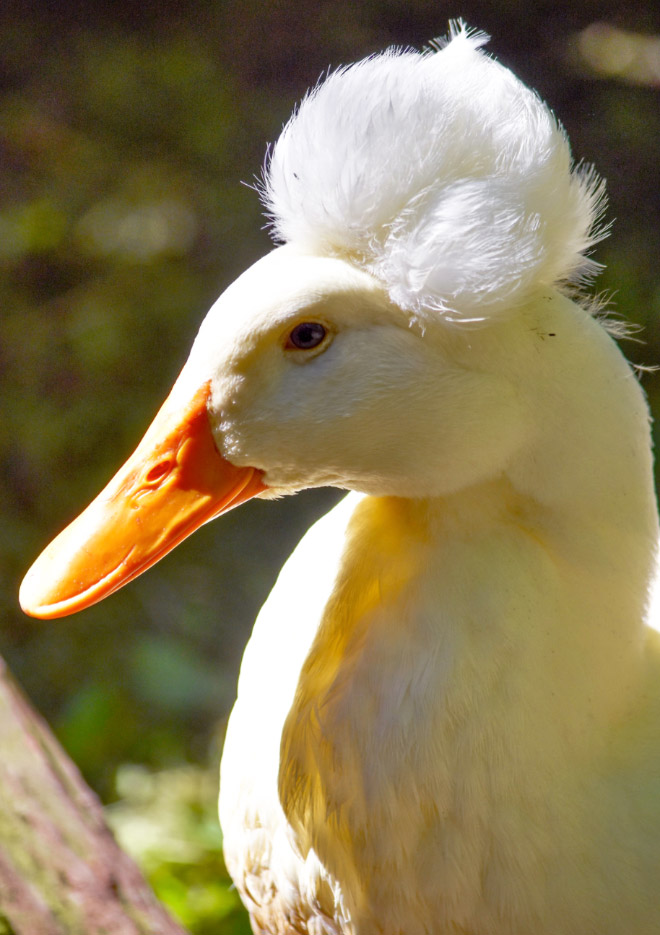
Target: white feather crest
x,y
441,174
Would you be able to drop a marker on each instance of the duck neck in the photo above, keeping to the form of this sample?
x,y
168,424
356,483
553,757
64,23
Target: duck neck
x,y
507,604
588,459
536,580
479,649
559,551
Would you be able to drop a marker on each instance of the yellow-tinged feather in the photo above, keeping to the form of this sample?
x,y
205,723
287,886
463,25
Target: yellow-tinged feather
x,y
448,714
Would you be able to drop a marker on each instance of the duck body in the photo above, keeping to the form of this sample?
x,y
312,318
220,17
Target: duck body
x,y
437,706
448,715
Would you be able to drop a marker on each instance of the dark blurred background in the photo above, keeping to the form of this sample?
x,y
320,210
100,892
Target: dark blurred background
x,y
126,130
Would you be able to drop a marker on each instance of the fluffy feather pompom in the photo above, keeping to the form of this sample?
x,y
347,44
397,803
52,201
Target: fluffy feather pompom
x,y
441,174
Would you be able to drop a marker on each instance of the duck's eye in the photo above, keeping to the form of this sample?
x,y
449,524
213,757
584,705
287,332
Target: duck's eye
x,y
306,335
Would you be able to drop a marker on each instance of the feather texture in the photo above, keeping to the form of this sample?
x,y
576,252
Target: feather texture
x,y
448,714
442,175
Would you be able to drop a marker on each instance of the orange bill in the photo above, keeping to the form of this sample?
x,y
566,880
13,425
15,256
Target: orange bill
x,y
175,480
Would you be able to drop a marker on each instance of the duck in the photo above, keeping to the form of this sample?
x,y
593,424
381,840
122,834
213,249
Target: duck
x,y
448,712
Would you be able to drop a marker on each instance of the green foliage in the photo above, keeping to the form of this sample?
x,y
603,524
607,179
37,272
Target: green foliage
x,y
167,821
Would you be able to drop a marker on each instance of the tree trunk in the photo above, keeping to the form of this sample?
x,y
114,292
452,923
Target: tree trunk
x,y
61,870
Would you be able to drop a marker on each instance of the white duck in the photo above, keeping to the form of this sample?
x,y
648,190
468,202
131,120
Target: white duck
x,y
448,718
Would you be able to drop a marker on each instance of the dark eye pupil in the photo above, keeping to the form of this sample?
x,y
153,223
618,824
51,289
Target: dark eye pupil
x,y
307,335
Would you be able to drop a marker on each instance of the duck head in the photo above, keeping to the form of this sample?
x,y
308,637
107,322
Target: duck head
x,y
304,374
425,200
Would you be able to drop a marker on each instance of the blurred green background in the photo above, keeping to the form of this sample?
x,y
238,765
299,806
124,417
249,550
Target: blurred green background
x,y
126,130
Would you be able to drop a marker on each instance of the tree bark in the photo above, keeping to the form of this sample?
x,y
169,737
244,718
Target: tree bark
x,y
61,870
